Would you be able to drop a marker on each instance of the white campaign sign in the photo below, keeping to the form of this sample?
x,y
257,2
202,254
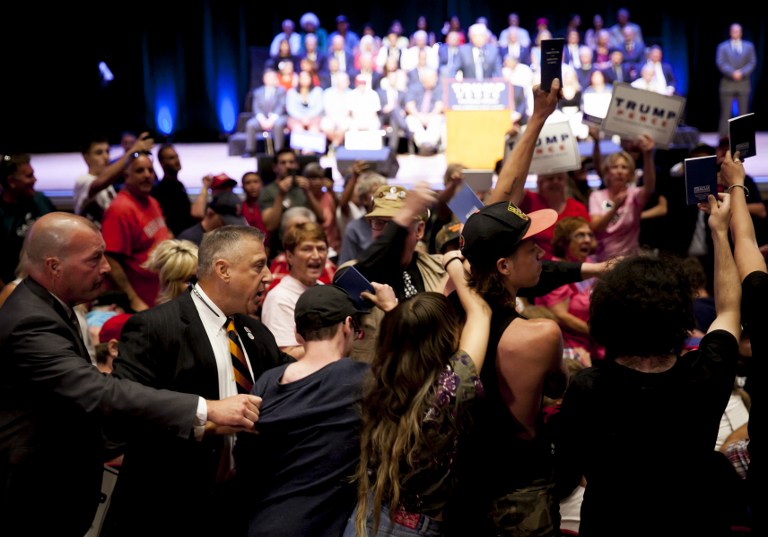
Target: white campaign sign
x,y
635,111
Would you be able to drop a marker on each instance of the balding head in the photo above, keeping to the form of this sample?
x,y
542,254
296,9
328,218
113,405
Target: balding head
x,y
65,254
51,235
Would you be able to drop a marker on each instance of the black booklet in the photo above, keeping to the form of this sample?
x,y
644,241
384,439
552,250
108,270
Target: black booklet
x,y
741,132
700,179
551,61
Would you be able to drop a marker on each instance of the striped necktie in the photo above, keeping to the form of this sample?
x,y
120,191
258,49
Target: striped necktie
x,y
239,365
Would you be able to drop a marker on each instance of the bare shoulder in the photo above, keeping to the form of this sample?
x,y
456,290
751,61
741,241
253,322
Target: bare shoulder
x,y
531,337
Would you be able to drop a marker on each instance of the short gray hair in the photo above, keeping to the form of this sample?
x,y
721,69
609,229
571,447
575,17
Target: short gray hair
x,y
223,243
295,212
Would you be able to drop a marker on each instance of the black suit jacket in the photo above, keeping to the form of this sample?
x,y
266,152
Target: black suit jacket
x,y
52,405
162,478
275,104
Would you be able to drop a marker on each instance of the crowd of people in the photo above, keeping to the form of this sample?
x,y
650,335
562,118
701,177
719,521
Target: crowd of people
x,y
209,349
330,84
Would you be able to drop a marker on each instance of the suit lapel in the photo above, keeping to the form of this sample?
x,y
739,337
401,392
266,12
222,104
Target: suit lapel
x,y
48,298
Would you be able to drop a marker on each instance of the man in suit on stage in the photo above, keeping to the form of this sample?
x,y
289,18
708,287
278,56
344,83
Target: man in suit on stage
x,y
188,345
478,59
392,113
269,113
53,400
736,60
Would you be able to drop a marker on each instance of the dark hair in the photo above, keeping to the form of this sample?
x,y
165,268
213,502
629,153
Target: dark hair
x,y
92,140
284,150
643,306
246,174
9,164
695,272
316,334
489,282
162,148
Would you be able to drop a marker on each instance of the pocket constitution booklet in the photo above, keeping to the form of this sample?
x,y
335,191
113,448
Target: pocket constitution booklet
x,y
700,179
741,133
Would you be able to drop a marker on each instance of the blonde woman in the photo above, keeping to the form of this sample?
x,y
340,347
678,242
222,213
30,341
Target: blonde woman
x,y
615,210
175,262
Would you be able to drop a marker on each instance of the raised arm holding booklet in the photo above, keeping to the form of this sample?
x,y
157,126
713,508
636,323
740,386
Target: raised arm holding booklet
x,y
354,283
741,133
551,61
465,203
700,179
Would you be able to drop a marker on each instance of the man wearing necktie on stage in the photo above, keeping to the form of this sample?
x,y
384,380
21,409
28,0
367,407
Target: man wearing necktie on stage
x,y
736,60
478,59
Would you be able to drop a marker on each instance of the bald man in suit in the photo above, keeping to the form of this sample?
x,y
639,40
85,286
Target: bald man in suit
x,y
53,400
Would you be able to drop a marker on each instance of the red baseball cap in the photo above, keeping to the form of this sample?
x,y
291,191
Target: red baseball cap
x,y
113,327
222,181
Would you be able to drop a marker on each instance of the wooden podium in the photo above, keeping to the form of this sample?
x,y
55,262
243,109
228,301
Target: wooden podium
x,y
477,117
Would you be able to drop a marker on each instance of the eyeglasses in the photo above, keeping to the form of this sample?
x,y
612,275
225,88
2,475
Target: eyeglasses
x,y
583,235
378,224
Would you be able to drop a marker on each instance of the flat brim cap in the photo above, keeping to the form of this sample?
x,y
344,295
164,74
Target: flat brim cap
x,y
495,230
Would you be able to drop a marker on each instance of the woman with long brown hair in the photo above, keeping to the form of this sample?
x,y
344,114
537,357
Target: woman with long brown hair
x,y
424,372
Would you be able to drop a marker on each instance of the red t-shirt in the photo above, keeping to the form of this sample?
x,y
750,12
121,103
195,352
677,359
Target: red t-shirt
x,y
252,214
132,228
532,201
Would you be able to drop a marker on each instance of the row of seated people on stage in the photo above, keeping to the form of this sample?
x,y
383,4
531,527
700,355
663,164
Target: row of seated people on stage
x,y
400,104
312,41
313,103
411,388
476,53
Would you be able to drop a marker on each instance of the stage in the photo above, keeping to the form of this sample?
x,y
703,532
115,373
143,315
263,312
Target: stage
x,y
56,172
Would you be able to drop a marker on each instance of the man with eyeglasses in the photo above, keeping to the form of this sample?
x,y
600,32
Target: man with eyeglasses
x,y
133,225
397,221
94,191
295,471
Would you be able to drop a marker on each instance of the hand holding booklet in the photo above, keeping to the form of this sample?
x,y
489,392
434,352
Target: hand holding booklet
x,y
354,283
465,203
741,134
551,61
700,179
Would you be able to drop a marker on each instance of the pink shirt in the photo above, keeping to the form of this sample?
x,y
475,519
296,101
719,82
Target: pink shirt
x,y
622,236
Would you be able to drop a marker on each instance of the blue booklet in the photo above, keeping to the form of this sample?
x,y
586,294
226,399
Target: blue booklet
x,y
741,134
465,203
353,282
700,179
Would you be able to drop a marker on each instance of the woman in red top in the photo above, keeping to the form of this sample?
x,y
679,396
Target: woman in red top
x,y
252,185
552,194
